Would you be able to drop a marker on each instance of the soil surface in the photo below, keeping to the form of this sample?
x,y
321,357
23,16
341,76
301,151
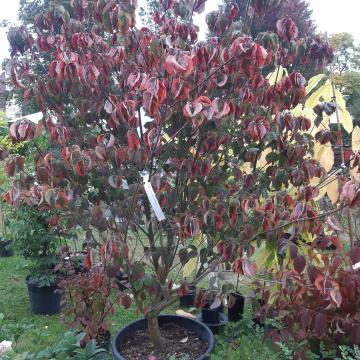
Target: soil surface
x,y
179,342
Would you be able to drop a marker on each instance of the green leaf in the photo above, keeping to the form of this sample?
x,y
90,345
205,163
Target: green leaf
x,y
323,93
189,267
315,82
138,285
277,75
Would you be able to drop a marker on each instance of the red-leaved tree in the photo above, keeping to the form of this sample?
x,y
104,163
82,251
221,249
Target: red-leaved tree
x,y
129,111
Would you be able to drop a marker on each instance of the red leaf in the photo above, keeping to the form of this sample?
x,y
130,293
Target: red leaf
x,y
227,251
218,222
293,251
183,289
15,78
249,268
180,89
333,223
192,109
87,260
133,80
356,199
354,255
319,282
96,280
80,169
299,263
233,218
200,299
115,181
320,325
337,242
286,28
355,334
336,295
297,211
220,247
336,262
28,93
150,103
180,65
305,318
120,157
133,140
125,301
238,266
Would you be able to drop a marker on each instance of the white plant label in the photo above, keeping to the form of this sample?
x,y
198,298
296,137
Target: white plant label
x,y
152,198
356,266
124,184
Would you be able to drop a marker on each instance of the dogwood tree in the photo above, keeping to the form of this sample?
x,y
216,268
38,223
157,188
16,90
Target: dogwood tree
x,y
161,142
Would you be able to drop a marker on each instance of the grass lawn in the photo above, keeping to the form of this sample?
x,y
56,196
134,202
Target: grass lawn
x,y
37,331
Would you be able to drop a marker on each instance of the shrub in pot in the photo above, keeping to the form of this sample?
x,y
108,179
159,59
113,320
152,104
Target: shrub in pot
x,y
5,247
156,141
212,308
188,299
30,232
88,296
235,302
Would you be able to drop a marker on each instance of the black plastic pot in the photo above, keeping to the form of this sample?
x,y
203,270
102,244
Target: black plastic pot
x,y
122,281
43,300
215,328
188,299
5,251
106,342
199,328
210,316
235,306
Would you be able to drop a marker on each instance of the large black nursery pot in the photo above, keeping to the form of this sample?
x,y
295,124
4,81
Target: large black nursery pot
x,y
188,300
235,306
44,300
203,332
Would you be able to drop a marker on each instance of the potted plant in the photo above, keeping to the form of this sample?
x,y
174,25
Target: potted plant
x,y
188,299
211,303
156,141
88,297
236,302
5,247
30,231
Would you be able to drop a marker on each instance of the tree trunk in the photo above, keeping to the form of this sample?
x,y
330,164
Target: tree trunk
x,y
154,332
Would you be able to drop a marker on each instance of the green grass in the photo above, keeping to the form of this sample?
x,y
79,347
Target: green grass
x,y
14,304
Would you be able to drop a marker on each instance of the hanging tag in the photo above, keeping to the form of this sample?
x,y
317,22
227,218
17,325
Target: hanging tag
x,y
152,198
124,184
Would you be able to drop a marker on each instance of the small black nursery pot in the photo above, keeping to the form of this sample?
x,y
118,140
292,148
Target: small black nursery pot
x,y
235,306
188,299
210,316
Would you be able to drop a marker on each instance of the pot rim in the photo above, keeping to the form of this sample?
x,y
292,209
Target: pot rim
x,y
29,284
237,293
211,343
207,306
